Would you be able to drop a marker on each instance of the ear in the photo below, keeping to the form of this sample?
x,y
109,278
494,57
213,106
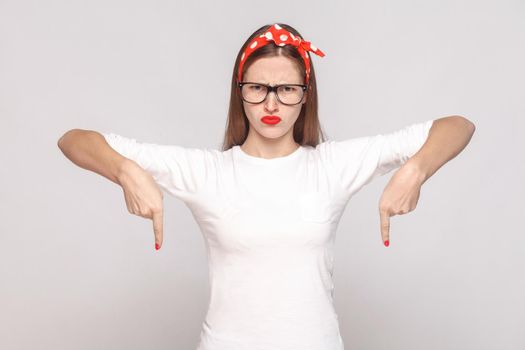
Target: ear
x,y
305,97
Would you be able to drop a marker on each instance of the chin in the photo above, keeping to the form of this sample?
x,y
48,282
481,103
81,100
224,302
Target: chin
x,y
273,134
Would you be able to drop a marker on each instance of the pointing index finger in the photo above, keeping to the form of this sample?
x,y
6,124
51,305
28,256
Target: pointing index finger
x,y
158,222
384,218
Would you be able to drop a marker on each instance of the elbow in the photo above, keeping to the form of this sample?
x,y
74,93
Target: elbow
x,y
61,140
468,123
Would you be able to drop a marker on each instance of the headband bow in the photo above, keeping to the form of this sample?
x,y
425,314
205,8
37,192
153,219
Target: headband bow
x,y
281,37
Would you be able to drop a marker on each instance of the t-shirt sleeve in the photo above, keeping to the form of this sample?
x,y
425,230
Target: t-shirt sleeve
x,y
177,170
357,161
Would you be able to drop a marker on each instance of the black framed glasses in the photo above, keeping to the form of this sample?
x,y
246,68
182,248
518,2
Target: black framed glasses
x,y
287,94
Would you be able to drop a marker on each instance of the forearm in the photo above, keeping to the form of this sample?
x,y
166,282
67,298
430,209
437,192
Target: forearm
x,y
89,150
447,137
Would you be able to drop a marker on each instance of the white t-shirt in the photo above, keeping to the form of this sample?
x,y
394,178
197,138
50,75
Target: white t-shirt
x,y
269,227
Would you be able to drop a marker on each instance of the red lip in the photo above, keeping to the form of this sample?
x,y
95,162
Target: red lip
x,y
270,119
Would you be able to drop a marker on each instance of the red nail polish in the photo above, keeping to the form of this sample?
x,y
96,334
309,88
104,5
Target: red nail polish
x,y
387,243
157,246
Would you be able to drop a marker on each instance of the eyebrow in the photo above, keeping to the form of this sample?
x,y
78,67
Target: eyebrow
x,y
263,83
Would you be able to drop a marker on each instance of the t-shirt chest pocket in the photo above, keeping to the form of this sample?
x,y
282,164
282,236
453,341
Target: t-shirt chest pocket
x,y
315,207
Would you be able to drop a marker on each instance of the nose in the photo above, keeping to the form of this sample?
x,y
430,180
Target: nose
x,y
271,103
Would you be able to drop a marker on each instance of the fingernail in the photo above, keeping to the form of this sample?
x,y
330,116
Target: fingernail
x,y
157,246
387,242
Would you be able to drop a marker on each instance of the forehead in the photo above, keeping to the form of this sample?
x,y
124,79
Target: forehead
x,y
274,70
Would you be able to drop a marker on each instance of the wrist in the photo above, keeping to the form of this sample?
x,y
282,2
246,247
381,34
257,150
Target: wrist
x,y
122,169
418,169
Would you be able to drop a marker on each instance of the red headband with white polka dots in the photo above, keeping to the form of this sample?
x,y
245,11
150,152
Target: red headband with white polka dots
x,y
281,37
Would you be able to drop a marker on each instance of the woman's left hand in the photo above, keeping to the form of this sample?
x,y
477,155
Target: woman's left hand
x,y
400,196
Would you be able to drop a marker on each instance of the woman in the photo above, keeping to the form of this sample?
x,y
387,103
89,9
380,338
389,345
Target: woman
x,y
268,204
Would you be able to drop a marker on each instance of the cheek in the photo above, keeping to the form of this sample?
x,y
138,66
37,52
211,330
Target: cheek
x,y
249,108
296,111
250,112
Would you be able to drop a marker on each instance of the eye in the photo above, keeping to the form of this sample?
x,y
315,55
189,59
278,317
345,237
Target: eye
x,y
290,88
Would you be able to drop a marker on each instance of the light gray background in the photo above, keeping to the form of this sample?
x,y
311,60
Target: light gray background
x,y
77,271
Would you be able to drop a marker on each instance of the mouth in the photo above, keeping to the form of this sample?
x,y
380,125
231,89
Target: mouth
x,y
270,119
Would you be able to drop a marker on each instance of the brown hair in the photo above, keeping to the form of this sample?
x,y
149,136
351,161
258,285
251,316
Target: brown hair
x,y
307,129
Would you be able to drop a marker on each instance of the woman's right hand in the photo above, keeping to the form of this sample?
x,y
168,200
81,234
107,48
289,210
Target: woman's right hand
x,y
143,196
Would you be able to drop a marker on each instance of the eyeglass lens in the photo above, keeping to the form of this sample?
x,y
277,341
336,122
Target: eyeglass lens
x,y
256,93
